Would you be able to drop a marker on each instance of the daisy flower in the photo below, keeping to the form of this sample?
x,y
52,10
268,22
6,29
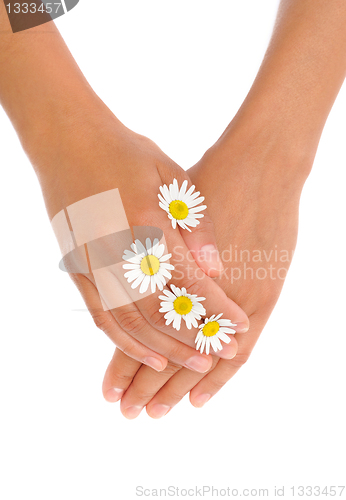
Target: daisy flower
x,y
178,305
148,265
211,332
181,205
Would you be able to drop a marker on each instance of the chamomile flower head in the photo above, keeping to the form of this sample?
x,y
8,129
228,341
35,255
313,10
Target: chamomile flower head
x,y
147,265
182,206
178,305
211,332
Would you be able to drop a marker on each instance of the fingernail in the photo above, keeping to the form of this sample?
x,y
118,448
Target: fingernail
x,y
200,400
158,410
132,411
154,363
241,327
210,255
113,395
198,364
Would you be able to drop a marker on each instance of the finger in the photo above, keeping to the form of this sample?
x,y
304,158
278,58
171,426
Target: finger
x,y
129,330
197,230
105,321
119,375
144,387
226,369
164,316
132,321
175,389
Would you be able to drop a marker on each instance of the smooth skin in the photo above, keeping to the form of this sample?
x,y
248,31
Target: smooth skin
x,y
79,148
262,161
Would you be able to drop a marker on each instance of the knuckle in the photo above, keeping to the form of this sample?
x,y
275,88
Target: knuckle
x,y
171,369
121,380
175,395
240,359
206,225
128,347
143,395
217,384
130,321
195,286
156,319
102,321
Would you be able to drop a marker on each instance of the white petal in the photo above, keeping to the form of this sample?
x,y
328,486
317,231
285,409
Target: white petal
x,y
166,306
165,192
204,340
195,210
226,322
218,317
164,265
200,310
132,275
166,273
218,343
183,225
163,201
165,257
160,281
148,245
131,266
137,282
129,255
152,284
207,346
155,246
198,337
190,190
194,321
174,223
182,190
213,344
177,322
194,203
140,247
173,192
168,296
225,338
145,284
187,321
194,196
227,330
159,251
164,207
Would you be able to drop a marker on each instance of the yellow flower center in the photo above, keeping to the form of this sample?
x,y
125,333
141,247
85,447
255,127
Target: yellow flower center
x,y
150,265
182,305
178,209
211,329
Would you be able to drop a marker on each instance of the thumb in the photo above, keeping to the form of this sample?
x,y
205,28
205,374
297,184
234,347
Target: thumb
x,y
185,208
201,241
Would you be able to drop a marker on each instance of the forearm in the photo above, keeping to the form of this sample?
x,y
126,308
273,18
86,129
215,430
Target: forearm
x,y
302,72
41,86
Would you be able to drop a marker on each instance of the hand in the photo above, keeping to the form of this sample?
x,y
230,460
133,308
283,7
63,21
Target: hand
x,y
254,211
102,154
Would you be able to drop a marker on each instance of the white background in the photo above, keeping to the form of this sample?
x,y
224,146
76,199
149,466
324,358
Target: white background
x,y
176,72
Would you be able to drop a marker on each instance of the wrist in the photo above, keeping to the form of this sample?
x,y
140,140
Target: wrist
x,y
268,147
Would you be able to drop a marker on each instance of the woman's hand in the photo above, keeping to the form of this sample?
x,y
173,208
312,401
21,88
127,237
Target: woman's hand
x,y
101,154
254,207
